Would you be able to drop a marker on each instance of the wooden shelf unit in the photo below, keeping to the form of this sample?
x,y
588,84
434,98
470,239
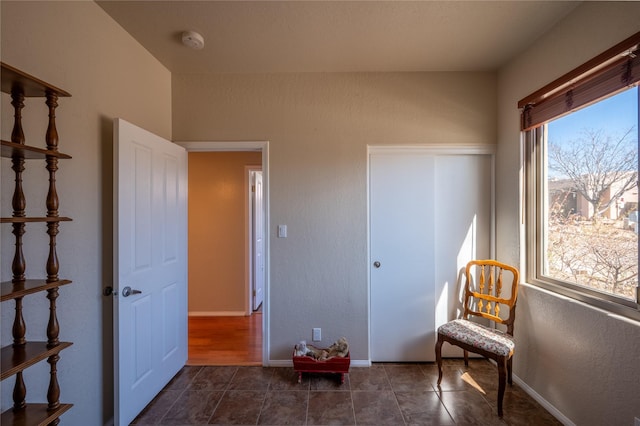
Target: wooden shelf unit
x,y
22,354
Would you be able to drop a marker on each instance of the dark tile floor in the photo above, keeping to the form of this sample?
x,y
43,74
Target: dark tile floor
x,y
384,394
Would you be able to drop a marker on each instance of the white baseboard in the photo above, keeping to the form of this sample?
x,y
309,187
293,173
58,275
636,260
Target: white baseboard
x,y
217,314
361,363
280,363
547,406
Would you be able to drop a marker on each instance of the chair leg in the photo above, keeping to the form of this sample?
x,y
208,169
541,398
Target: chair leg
x,y
439,358
466,358
509,371
502,378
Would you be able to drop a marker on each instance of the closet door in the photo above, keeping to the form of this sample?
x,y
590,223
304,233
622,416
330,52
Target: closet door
x,y
430,213
402,256
464,228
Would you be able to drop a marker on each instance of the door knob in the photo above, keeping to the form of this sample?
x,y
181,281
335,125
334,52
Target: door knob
x,y
127,291
376,264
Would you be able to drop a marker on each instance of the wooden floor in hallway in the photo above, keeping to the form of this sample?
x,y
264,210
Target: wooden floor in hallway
x,y
233,340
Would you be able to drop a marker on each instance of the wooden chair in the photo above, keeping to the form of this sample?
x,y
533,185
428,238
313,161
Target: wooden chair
x,y
483,297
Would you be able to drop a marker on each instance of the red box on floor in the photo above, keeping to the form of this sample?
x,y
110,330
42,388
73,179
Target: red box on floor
x,y
307,364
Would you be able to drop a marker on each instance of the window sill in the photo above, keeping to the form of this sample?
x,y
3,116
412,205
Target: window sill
x,y
605,307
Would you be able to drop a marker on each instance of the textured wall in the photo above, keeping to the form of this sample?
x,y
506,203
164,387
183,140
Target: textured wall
x,y
76,46
581,360
218,240
318,127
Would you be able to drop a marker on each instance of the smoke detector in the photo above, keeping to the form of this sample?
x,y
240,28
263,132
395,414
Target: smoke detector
x,y
192,40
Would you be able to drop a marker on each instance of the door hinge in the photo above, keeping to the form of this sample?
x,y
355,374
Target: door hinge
x,y
253,188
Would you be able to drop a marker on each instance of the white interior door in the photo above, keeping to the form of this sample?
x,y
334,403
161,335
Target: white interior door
x,y
402,258
150,260
258,241
430,213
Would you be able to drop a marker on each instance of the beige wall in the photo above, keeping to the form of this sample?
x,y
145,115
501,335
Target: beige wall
x,y
318,127
218,240
76,46
581,360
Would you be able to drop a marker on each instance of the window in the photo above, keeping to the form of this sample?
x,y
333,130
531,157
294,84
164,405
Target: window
x,y
582,182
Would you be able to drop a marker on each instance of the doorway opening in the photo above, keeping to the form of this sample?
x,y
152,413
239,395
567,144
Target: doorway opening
x,y
255,225
228,313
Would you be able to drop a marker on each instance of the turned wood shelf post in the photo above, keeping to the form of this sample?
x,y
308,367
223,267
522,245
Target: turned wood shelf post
x,y
24,353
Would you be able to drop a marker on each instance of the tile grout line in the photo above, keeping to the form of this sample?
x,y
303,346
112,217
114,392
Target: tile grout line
x,y
306,415
159,422
264,398
353,406
395,397
224,392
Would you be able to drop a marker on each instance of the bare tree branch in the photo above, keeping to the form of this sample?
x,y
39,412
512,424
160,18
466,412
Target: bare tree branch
x,y
594,163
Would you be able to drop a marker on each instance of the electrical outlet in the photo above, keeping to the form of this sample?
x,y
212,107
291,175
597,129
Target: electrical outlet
x,y
317,334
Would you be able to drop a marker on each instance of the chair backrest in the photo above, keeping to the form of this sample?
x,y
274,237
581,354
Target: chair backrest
x,y
490,292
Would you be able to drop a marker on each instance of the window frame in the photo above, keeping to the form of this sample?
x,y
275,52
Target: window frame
x,y
535,171
604,75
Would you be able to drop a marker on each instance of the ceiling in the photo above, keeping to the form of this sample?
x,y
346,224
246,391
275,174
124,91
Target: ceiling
x,y
337,36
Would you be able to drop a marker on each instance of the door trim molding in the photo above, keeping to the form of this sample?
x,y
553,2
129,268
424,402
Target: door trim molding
x,y
434,149
261,146
224,146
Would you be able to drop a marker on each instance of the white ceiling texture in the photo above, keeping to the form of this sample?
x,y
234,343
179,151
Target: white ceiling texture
x,y
337,36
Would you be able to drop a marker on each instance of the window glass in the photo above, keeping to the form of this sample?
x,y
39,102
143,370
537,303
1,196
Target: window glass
x,y
587,199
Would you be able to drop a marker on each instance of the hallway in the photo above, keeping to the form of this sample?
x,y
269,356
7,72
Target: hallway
x,y
233,340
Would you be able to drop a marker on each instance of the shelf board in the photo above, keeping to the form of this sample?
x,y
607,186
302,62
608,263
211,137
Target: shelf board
x,y
11,290
28,84
33,415
18,358
35,219
12,149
